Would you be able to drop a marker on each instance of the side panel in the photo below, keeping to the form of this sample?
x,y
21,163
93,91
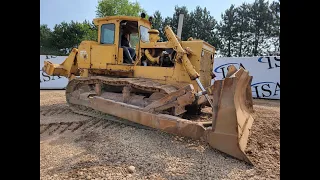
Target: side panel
x,y
106,52
176,76
196,47
84,54
201,59
101,55
153,72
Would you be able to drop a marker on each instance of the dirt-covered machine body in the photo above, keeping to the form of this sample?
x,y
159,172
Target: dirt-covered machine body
x,y
168,86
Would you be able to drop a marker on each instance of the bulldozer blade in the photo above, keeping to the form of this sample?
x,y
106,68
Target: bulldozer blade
x,y
232,118
164,122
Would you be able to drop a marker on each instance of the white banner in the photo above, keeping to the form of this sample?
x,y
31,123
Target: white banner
x,y
52,82
265,72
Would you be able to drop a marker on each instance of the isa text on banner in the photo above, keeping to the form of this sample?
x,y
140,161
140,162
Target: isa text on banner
x,y
265,71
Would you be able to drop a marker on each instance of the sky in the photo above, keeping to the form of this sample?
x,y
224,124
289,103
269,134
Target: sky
x,y
55,11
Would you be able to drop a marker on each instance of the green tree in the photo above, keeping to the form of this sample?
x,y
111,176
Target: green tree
x,y
228,32
260,23
167,22
275,28
90,31
243,30
202,26
66,36
45,35
118,7
186,28
157,23
249,30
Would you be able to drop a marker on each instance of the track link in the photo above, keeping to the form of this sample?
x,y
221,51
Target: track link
x,y
98,119
146,85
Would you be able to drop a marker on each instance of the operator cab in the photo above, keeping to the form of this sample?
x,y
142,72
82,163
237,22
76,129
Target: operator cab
x,y
130,28
110,49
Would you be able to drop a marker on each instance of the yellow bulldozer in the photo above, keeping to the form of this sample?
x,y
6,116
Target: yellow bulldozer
x,y
167,87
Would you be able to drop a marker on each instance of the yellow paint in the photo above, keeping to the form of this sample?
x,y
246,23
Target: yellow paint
x,y
152,59
153,35
83,58
120,67
84,73
161,45
101,55
109,57
67,68
120,56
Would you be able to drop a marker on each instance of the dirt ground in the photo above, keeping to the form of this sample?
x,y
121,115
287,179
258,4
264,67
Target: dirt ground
x,y
79,147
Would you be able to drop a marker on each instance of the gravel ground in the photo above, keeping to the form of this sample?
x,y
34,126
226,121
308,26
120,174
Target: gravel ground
x,y
79,147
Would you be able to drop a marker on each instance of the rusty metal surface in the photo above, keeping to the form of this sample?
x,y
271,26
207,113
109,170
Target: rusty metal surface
x,y
178,99
216,90
249,99
206,68
232,117
117,73
231,70
231,120
167,123
137,83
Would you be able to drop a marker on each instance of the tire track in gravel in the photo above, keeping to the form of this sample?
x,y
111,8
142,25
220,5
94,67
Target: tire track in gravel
x,y
89,125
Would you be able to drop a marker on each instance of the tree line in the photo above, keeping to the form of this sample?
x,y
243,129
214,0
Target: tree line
x,y
251,29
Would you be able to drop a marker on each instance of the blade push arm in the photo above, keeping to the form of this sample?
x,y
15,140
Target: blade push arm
x,y
181,53
182,56
68,68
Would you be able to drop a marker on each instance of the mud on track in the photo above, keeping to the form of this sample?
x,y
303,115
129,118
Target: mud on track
x,y
73,146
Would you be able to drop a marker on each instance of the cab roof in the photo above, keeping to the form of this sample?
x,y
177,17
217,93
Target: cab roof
x,y
128,18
